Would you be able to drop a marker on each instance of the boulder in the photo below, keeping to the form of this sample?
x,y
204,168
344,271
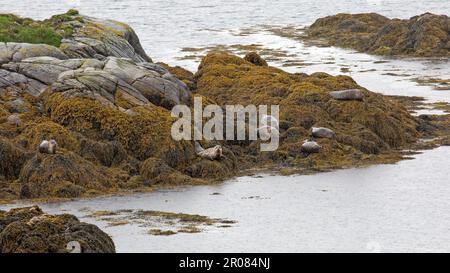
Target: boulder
x,y
30,230
99,38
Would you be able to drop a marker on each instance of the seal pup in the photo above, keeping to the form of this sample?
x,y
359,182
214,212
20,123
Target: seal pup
x,y
213,153
310,147
323,132
48,146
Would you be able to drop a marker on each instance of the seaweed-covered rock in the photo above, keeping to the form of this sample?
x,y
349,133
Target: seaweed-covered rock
x,y
12,159
375,124
30,230
62,175
425,35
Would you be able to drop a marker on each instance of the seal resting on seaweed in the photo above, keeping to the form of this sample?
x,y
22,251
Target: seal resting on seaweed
x,y
310,147
48,146
323,132
213,153
349,94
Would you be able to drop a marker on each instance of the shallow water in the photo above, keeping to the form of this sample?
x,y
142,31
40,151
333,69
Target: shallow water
x,y
389,208
167,26
401,207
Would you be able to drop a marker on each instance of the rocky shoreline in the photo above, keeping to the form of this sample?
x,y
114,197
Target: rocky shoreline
x,y
426,35
107,105
88,85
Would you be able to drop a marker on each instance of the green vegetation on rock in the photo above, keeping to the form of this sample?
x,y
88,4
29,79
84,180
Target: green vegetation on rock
x,y
14,29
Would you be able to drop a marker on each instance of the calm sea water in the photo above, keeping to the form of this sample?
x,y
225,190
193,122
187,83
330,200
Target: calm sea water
x,y
386,208
401,207
167,26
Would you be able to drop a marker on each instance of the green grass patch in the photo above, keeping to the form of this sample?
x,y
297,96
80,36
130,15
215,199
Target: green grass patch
x,y
25,30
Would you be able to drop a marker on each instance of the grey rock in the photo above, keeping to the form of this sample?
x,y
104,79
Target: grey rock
x,y
16,52
20,83
163,90
43,69
98,38
97,84
350,94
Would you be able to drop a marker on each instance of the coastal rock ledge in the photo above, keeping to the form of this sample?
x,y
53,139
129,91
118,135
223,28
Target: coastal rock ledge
x,y
88,85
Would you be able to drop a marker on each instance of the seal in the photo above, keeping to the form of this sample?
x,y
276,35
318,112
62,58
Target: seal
x,y
322,132
213,153
349,94
310,147
48,147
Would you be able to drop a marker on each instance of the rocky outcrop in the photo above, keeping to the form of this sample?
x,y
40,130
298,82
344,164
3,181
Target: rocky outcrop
x,y
362,127
97,38
100,98
108,108
114,80
30,230
425,35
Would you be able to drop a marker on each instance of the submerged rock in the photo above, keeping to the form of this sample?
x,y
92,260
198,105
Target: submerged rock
x,y
350,94
30,230
426,35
